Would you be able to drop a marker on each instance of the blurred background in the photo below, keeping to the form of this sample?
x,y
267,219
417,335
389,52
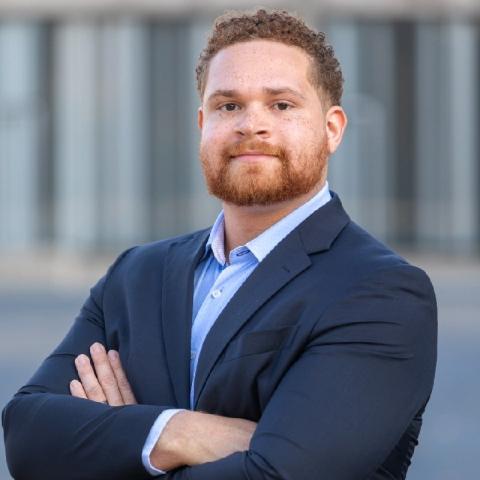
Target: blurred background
x,y
98,151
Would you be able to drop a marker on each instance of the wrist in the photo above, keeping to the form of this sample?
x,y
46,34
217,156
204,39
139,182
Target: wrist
x,y
172,446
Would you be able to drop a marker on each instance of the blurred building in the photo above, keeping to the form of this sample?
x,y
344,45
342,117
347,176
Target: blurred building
x,y
98,136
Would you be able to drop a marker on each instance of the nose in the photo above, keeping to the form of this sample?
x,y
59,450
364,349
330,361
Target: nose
x,y
253,121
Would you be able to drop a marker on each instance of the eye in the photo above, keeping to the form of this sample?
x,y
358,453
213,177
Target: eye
x,y
228,107
283,106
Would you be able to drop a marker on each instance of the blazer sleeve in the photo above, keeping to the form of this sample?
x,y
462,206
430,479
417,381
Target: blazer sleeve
x,y
344,404
51,435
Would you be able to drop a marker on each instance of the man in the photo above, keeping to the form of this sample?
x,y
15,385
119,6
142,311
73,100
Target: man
x,y
283,343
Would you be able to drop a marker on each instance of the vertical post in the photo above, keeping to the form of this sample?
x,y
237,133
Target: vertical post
x,y
124,142
464,163
76,122
447,165
346,164
20,128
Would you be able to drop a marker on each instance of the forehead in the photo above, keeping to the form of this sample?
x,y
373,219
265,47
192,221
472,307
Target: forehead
x,y
258,63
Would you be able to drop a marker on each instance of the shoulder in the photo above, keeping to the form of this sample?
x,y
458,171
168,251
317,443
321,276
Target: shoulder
x,y
344,249
145,262
365,256
357,262
157,251
378,273
380,293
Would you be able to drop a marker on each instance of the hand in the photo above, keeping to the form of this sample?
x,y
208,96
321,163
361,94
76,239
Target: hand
x,y
107,384
189,438
192,438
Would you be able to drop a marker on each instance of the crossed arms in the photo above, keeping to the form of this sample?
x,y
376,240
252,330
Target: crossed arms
x,y
190,438
338,411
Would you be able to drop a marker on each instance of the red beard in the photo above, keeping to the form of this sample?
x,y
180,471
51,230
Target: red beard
x,y
255,186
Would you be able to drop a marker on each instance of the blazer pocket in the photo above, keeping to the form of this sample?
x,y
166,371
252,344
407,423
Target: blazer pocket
x,y
262,341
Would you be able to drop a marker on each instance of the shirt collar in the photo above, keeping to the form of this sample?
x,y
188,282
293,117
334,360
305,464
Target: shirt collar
x,y
264,243
216,239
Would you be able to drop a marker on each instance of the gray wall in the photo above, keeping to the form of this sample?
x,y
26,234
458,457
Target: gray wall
x,y
98,139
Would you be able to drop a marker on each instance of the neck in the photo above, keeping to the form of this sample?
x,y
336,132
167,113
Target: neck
x,y
243,224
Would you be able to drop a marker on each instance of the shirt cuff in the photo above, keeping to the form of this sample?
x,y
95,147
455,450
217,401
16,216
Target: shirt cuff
x,y
153,436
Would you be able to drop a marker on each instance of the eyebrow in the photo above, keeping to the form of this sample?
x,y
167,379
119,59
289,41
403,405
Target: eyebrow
x,y
281,90
267,90
222,93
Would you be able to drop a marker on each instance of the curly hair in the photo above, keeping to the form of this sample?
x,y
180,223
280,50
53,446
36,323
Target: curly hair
x,y
281,26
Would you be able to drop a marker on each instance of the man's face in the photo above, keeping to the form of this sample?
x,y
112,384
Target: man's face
x,y
262,125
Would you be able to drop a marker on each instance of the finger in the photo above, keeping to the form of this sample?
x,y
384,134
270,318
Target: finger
x,y
122,380
89,380
77,390
105,375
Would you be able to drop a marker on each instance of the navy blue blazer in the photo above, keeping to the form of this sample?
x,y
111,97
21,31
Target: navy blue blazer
x,y
330,345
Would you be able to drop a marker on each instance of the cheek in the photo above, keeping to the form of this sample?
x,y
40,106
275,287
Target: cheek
x,y
213,135
300,134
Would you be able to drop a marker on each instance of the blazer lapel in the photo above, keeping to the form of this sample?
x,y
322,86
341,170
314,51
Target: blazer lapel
x,y
287,260
177,296
275,271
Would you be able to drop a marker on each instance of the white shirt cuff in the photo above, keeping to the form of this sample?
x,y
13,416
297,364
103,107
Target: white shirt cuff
x,y
153,436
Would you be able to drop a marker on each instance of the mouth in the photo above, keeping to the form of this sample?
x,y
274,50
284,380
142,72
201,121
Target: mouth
x,y
252,157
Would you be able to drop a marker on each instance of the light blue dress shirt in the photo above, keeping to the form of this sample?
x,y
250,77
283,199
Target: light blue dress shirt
x,y
215,283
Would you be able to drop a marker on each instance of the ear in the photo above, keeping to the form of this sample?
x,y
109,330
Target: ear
x,y
335,124
200,118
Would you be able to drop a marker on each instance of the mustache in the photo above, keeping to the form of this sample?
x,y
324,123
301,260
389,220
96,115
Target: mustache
x,y
243,147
